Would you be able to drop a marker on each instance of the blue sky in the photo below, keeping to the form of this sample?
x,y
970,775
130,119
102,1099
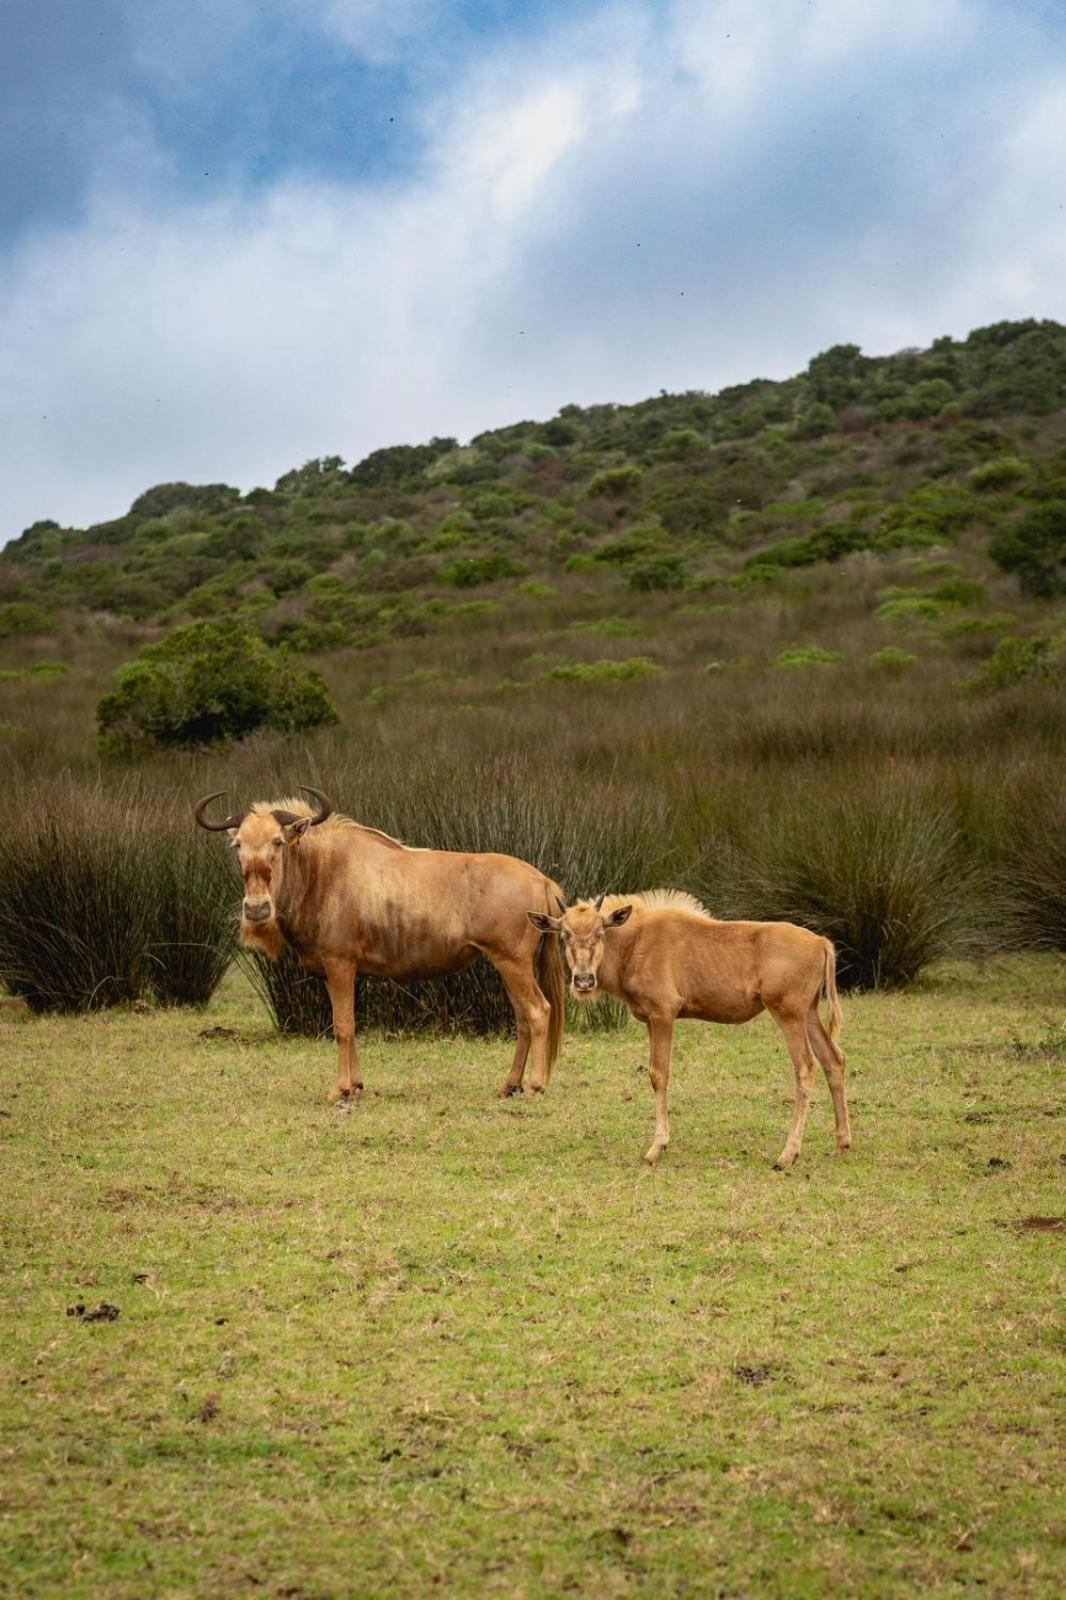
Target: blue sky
x,y
238,233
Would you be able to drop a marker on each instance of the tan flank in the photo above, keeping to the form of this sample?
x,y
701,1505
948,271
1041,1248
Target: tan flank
x,y
665,957
350,900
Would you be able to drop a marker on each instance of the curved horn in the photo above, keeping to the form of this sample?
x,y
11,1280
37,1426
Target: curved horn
x,y
200,809
325,804
561,903
599,902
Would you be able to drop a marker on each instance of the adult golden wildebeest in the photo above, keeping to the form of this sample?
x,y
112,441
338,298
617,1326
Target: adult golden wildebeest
x,y
349,899
665,957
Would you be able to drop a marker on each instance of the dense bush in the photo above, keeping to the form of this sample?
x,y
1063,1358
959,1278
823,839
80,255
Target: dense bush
x,y
1034,550
105,900
205,684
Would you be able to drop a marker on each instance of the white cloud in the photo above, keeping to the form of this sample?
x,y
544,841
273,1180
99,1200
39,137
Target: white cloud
x,y
376,30
589,224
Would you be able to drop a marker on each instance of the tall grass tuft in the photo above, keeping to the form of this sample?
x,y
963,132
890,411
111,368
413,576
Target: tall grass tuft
x,y
297,1001
97,908
1033,868
192,930
881,874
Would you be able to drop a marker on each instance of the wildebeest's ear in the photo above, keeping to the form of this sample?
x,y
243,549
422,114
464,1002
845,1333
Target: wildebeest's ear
x,y
291,831
616,918
543,922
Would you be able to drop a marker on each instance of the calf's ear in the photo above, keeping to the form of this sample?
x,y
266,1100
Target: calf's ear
x,y
545,923
292,831
616,918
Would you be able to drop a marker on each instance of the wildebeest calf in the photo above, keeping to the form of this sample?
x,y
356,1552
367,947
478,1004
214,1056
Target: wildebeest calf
x,y
665,957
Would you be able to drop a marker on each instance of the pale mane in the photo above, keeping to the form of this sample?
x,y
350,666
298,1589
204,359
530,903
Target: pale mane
x,y
651,898
300,808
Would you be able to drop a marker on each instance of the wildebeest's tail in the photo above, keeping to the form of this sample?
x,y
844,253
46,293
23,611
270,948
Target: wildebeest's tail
x,y
552,980
829,989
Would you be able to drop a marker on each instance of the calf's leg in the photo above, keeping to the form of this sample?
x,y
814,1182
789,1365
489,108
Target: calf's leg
x,y
661,1038
831,1056
340,980
794,1028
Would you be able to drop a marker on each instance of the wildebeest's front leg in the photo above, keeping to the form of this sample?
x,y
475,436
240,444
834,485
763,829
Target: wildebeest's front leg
x,y
340,979
661,1036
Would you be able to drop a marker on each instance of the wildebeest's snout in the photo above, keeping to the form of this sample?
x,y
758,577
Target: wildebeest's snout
x,y
257,910
584,983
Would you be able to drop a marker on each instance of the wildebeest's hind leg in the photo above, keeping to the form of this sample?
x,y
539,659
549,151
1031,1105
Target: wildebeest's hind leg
x,y
794,1028
661,1034
340,979
831,1056
531,1012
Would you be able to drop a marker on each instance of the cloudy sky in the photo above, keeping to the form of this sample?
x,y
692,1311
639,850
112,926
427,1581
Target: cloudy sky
x,y
235,234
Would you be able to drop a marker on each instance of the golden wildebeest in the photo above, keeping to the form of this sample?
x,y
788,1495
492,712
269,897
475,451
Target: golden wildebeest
x,y
665,957
349,899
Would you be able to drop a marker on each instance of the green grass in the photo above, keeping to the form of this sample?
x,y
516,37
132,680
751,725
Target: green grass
x,y
445,1343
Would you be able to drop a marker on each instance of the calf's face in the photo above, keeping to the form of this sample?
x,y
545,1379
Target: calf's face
x,y
583,930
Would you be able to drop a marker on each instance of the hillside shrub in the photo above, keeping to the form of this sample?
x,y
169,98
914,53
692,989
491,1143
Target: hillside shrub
x,y
798,656
595,672
662,571
1013,661
468,572
19,617
616,483
910,608
891,660
208,683
1005,472
1034,550
960,592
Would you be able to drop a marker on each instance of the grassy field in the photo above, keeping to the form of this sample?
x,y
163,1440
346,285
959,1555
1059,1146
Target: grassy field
x,y
444,1343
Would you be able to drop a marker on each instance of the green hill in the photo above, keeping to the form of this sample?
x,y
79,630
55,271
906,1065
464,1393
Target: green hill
x,y
698,492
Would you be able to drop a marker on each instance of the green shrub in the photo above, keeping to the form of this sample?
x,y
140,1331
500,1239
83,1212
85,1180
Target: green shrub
x,y
960,592
534,589
1013,661
623,671
469,571
681,444
205,684
1034,550
616,483
1005,472
915,608
966,627
891,660
815,421
797,656
19,617
664,570
609,627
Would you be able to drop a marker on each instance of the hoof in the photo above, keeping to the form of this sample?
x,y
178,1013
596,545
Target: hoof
x,y
783,1164
651,1156
508,1090
532,1090
336,1094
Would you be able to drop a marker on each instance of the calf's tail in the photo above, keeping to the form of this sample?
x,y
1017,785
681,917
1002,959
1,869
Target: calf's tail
x,y
829,989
